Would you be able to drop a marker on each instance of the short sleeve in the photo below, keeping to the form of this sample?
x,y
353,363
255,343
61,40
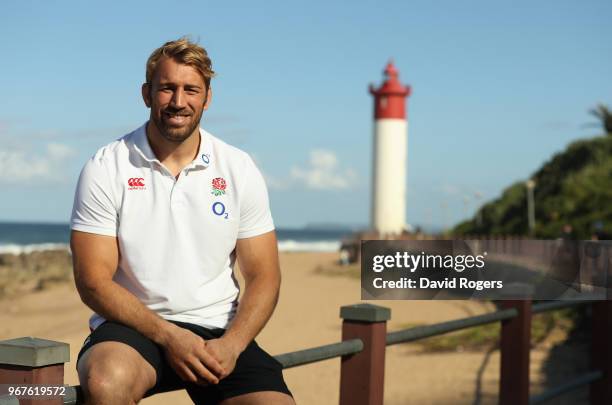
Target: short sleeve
x,y
255,216
93,210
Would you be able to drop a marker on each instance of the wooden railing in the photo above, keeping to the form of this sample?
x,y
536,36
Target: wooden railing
x,y
362,352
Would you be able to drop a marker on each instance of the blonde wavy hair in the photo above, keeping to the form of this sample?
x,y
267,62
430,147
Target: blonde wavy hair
x,y
182,51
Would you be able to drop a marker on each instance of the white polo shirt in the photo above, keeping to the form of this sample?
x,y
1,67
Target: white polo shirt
x,y
176,237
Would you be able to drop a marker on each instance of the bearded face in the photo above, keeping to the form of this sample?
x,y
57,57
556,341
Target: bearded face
x,y
177,97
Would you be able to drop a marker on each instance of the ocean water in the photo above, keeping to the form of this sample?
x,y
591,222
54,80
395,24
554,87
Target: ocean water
x,y
19,238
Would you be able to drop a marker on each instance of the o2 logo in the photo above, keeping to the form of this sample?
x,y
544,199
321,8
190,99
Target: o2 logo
x,y
206,158
219,210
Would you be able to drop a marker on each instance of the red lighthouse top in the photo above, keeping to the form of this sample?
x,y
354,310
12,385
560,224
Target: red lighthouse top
x,y
390,98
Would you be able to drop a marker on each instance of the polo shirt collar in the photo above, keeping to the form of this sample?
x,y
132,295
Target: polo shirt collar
x,y
204,158
141,144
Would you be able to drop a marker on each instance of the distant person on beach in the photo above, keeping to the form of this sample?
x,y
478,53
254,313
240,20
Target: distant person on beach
x,y
160,217
567,233
599,232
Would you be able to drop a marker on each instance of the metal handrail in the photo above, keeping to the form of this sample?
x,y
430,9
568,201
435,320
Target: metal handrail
x,y
421,332
320,353
568,386
9,400
554,305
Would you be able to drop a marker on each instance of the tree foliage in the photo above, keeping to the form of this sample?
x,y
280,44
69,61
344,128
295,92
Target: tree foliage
x,y
603,113
574,187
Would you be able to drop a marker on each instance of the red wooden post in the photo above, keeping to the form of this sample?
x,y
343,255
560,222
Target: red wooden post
x,y
515,347
30,360
601,352
362,375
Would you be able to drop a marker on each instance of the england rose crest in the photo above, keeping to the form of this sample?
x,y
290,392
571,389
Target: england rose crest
x,y
218,186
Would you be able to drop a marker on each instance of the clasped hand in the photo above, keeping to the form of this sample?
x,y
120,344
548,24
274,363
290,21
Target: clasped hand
x,y
197,360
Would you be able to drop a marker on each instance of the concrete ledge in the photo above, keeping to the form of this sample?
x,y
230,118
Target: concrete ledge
x,y
33,352
365,313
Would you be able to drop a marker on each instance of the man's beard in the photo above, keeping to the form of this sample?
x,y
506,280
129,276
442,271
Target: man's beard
x,y
173,134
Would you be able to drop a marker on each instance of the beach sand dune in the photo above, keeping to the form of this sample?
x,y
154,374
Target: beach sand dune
x,y
307,315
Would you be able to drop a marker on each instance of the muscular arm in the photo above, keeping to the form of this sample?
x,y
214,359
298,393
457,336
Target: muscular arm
x,y
95,260
258,261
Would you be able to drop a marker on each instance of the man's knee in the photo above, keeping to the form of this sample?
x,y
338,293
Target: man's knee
x,y
110,373
107,382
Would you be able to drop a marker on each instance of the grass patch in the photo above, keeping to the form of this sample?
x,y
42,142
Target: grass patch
x,y
487,336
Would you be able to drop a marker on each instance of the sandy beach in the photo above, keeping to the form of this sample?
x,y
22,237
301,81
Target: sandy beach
x,y
308,315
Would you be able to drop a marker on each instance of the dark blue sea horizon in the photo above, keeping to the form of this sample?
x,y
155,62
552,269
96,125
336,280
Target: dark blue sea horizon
x,y
26,234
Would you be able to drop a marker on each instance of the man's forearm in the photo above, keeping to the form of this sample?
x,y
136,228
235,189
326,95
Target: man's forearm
x,y
115,303
254,310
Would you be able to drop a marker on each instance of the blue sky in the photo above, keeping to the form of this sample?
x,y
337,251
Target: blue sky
x,y
498,87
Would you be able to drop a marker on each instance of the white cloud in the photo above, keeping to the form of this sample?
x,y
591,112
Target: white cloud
x,y
323,172
18,166
58,151
275,183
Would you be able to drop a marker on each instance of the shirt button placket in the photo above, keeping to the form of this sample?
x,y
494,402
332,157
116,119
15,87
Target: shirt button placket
x,y
176,197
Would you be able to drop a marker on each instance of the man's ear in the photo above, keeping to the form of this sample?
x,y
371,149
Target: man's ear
x,y
146,94
208,98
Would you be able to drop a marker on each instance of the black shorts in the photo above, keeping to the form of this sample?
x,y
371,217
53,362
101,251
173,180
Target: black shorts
x,y
255,369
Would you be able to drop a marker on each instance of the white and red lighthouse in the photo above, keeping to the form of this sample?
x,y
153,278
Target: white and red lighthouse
x,y
390,152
